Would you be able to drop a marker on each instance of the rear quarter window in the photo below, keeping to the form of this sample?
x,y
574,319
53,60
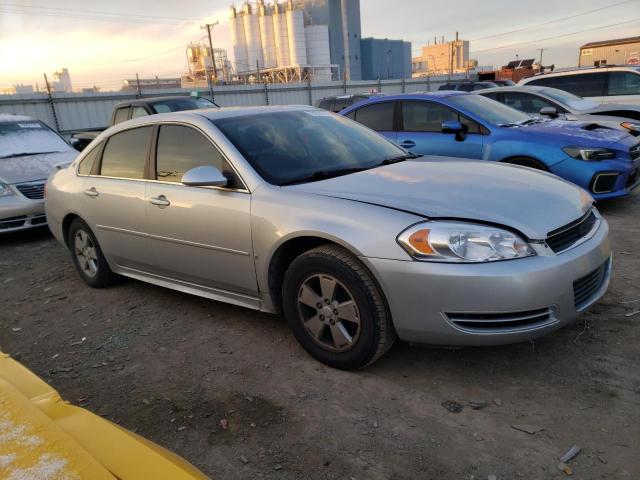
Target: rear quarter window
x,y
86,164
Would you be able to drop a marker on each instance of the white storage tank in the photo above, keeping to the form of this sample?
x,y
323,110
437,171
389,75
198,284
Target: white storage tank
x,y
267,35
238,41
295,29
252,35
317,40
281,35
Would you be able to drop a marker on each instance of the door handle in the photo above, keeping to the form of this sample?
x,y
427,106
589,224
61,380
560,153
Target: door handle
x,y
160,201
92,192
408,144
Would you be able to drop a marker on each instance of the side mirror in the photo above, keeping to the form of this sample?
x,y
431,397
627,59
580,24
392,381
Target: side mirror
x,y
454,126
549,112
205,176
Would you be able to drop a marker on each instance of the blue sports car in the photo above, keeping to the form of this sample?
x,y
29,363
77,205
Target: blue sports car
x,y
604,161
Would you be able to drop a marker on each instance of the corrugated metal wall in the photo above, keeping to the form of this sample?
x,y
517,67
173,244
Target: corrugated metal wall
x,y
79,111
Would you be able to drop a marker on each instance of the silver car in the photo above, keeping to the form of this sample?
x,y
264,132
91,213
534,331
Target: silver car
x,y
300,211
29,151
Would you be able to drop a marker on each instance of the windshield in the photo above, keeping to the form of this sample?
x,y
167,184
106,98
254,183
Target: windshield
x,y
489,110
179,105
29,137
285,147
569,99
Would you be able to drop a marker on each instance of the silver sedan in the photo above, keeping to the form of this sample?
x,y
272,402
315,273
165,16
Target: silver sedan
x,y
356,241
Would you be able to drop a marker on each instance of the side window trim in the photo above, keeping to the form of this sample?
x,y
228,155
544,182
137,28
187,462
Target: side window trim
x,y
97,170
152,175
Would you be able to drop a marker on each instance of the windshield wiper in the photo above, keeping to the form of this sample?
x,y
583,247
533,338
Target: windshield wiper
x,y
400,158
325,174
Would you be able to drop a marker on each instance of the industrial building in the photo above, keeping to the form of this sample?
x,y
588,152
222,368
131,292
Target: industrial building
x,y
297,40
147,84
385,59
442,58
621,51
61,81
202,70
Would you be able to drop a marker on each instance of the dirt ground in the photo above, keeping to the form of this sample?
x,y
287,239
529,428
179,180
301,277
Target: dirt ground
x,y
171,366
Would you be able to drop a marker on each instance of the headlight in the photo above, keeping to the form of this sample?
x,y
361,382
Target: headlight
x,y
5,190
631,126
460,242
589,154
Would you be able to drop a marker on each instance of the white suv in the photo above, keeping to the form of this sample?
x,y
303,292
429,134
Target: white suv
x,y
602,85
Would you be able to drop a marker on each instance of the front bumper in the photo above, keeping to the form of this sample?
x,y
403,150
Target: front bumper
x,y
509,301
20,213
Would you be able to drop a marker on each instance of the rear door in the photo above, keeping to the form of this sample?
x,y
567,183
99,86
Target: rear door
x,y
421,131
115,198
198,235
377,116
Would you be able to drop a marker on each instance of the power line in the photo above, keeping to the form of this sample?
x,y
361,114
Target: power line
x,y
555,36
139,58
96,12
84,17
530,27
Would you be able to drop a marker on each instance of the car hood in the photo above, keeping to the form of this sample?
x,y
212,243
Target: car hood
x,y
576,132
612,107
532,202
33,167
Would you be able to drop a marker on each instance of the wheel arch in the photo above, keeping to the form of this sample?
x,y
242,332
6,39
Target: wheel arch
x,y
287,251
66,225
526,161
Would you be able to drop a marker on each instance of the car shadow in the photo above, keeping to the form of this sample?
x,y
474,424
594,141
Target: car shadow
x,y
25,236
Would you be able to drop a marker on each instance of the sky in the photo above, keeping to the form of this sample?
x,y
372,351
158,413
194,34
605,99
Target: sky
x,y
102,43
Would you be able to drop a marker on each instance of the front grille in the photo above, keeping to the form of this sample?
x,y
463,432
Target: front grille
x,y
491,322
33,190
635,152
12,222
584,288
563,238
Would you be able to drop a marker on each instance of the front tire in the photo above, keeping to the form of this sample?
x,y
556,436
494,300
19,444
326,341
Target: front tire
x,y
87,256
336,309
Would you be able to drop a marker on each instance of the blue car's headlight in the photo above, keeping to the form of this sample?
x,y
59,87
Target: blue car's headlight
x,y
461,242
589,154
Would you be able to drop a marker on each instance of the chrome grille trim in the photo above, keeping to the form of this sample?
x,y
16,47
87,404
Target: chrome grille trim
x,y
32,190
496,322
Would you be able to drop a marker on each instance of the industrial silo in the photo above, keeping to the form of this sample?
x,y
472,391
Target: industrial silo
x,y
252,35
267,35
238,41
318,51
295,29
281,35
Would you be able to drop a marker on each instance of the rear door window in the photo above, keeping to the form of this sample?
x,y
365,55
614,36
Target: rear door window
x,y
122,115
624,83
125,154
377,116
326,104
583,85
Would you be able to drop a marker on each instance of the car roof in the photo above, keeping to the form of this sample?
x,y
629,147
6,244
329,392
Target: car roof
x,y
144,101
513,88
582,70
437,94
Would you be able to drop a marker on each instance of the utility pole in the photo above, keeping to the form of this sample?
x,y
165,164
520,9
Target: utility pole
x,y
53,107
208,27
541,50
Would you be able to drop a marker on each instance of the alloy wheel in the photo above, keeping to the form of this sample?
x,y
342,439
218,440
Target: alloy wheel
x,y
86,255
329,312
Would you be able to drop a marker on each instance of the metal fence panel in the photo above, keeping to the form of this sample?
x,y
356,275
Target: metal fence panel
x,y
79,111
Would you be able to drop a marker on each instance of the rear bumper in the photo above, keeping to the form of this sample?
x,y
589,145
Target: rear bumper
x,y
20,213
493,303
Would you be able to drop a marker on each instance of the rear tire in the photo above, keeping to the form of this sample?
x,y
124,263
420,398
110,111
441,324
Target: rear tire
x,y
336,309
87,256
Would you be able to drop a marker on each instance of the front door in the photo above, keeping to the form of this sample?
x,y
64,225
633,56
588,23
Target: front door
x,y
421,131
115,199
199,235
